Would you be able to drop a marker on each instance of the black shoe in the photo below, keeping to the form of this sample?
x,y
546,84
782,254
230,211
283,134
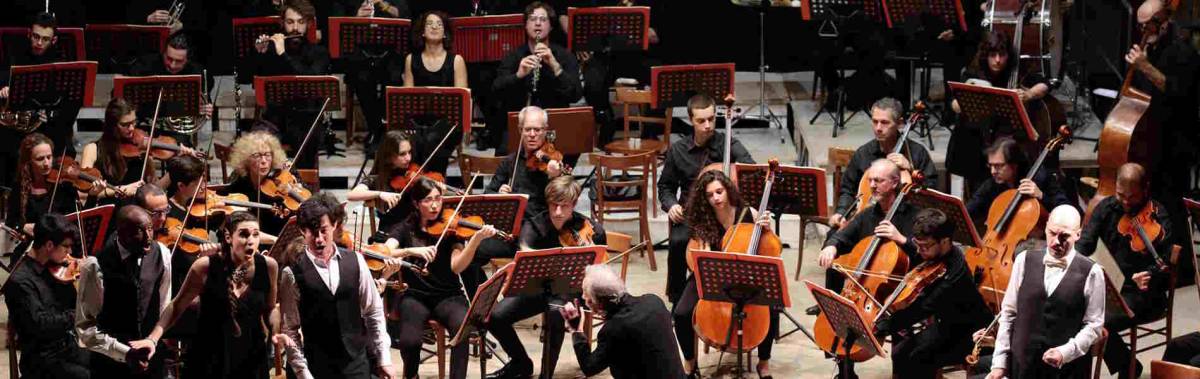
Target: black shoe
x,y
813,310
693,375
513,370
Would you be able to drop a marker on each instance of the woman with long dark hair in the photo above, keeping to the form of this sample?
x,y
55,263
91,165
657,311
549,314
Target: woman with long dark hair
x,y
392,158
121,175
33,194
237,290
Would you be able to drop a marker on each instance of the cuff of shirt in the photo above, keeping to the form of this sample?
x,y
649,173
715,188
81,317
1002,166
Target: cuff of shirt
x,y
1000,361
118,352
1069,352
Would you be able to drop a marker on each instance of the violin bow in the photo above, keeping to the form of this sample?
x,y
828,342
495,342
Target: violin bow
x,y
430,157
516,161
62,161
312,127
150,137
186,213
866,293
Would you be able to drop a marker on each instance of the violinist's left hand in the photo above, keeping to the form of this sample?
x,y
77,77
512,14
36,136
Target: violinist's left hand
x,y
554,168
287,165
1142,279
946,35
486,232
889,231
184,150
1029,188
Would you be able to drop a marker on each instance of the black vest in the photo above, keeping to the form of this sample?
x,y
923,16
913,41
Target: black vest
x,y
131,304
333,323
1045,322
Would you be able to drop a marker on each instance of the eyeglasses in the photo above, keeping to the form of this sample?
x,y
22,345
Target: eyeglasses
x,y
127,124
926,245
158,213
262,155
429,200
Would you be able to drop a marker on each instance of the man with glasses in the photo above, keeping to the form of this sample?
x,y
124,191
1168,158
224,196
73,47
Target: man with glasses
x,y
951,300
538,73
1009,165
514,177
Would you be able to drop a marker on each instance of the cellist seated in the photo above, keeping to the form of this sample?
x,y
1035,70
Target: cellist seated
x,y
951,300
1009,166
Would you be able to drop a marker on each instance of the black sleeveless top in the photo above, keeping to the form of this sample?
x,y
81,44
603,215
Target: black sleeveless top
x,y
443,77
217,353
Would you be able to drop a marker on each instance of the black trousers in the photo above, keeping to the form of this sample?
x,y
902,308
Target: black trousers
x,y
922,354
71,363
322,366
1184,350
414,312
1146,306
677,270
520,307
682,313
365,77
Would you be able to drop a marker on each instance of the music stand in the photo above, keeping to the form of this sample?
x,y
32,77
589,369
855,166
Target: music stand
x,y
405,104
487,38
247,29
69,44
572,130
94,223
51,85
848,323
503,211
283,89
741,280
608,28
672,86
1113,302
118,46
289,233
797,190
898,12
182,91
964,229
1002,106
480,311
347,35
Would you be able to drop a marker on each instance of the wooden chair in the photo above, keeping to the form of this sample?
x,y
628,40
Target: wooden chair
x,y
839,158
617,244
441,339
630,97
310,177
473,164
607,179
1169,370
222,153
1142,330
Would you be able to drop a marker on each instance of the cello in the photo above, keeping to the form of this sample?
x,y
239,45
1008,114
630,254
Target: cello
x,y
1011,218
863,199
876,262
1128,121
713,320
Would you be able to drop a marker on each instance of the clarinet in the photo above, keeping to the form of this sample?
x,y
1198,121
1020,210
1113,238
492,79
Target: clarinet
x,y
537,74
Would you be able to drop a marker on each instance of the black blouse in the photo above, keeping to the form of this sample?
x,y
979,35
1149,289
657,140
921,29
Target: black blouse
x,y
423,77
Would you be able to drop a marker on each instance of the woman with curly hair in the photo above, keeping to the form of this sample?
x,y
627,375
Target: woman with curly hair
x,y
237,291
34,196
713,207
253,157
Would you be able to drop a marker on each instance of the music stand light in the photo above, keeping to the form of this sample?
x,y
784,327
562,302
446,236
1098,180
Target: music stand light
x,y
487,38
741,280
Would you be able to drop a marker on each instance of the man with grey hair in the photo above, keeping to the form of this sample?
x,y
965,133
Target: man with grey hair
x,y
636,340
533,123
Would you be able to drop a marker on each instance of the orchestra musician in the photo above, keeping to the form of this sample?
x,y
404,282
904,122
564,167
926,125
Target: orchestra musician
x,y
393,158
714,206
373,66
953,303
119,155
33,194
440,295
1040,335
122,290
254,156
330,297
533,122
635,341
1009,165
434,65
154,200
555,68
684,160
291,53
1146,284
370,8
41,306
176,59
543,230
236,291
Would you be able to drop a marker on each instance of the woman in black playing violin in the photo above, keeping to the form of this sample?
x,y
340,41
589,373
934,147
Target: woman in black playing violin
x,y
393,159
253,157
440,295
120,153
31,197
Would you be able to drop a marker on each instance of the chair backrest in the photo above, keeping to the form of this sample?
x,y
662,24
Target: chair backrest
x,y
473,164
222,152
310,177
617,244
1170,370
607,167
839,158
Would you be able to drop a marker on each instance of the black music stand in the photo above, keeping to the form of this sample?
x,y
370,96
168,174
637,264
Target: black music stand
x,y
94,223
741,280
608,28
964,229
289,233
553,273
503,211
118,46
1003,107
672,86
835,14
407,106
572,130
848,323
480,311
348,35
900,12
52,85
487,38
181,94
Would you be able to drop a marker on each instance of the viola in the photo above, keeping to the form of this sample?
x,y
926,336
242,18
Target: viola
x,y
582,237
69,171
463,227
68,271
1011,218
215,204
714,320
1143,231
875,262
915,282
282,186
539,160
161,147
189,239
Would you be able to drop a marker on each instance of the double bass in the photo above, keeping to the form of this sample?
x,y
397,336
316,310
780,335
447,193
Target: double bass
x,y
876,263
1011,218
714,320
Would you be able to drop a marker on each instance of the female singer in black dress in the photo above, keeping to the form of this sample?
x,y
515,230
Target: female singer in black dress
x,y
440,295
237,294
713,207
433,65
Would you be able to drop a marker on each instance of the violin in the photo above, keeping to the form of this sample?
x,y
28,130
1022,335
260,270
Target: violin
x,y
1143,230
916,281
283,186
189,239
68,271
463,227
17,235
376,254
540,160
215,204
401,181
582,237
161,147
69,171
989,339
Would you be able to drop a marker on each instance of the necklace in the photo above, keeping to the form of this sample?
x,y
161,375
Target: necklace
x,y
239,274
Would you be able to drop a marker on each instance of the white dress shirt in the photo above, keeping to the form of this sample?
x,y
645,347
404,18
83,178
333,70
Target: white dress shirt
x,y
370,304
90,301
1093,318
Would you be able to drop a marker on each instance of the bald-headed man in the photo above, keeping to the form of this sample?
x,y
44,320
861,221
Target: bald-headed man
x,y
1145,284
1053,308
122,290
